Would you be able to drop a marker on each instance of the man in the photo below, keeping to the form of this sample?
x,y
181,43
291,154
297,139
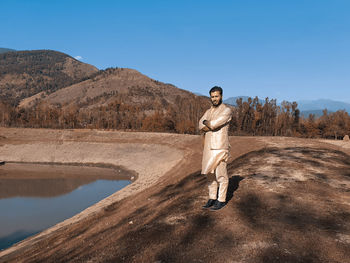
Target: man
x,y
214,124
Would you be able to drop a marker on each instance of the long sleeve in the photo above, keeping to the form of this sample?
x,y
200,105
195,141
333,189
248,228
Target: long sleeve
x,y
222,119
204,117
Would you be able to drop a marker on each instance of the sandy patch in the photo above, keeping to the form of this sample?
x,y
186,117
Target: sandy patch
x,y
341,144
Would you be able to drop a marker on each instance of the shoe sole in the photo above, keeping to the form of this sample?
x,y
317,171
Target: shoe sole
x,y
212,208
216,209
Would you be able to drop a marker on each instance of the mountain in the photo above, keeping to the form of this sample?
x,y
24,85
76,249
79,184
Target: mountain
x,y
26,73
49,89
321,104
118,83
4,50
118,98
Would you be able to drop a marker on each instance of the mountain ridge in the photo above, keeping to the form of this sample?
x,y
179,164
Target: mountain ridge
x,y
116,81
119,98
330,105
26,73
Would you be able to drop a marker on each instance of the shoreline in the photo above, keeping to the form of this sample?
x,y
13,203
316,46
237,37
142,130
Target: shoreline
x,y
133,174
106,154
45,183
23,179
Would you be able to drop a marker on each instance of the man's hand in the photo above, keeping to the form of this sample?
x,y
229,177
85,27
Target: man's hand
x,y
206,123
206,127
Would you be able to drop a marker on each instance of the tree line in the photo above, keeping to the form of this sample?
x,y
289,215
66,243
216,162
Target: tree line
x,y
250,117
269,119
156,115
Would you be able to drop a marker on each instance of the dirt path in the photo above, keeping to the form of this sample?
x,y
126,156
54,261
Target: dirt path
x,y
288,201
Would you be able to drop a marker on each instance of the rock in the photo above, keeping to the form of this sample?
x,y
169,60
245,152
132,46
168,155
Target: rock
x,y
346,138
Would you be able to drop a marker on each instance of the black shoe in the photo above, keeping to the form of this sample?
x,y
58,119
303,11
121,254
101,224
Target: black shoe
x,y
210,203
218,205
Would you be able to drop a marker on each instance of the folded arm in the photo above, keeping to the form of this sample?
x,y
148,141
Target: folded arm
x,y
201,125
223,119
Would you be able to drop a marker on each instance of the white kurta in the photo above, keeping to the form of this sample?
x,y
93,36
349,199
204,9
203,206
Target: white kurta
x,y
216,143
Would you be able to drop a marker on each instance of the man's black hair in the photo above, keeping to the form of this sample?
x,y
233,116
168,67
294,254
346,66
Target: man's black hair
x,y
216,88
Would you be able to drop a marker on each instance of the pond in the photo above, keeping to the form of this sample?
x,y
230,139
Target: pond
x,y
34,197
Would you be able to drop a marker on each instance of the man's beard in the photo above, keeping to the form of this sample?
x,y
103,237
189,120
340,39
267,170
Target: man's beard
x,y
220,101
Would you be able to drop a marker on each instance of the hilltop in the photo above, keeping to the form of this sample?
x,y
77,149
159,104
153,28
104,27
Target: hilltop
x,y
45,88
26,73
49,89
118,98
103,88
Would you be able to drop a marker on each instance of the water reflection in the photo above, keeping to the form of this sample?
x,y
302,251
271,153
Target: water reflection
x,y
30,205
52,180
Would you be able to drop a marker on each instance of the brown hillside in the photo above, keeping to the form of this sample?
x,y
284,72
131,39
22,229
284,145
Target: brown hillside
x,y
26,73
110,84
117,98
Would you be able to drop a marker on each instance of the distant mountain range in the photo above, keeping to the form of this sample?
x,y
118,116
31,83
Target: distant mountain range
x,y
4,50
320,104
31,77
306,107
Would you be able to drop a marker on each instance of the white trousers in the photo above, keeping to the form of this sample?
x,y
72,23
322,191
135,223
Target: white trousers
x,y
221,181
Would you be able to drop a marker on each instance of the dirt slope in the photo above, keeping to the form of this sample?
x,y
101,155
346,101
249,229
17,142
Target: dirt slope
x,y
288,201
108,84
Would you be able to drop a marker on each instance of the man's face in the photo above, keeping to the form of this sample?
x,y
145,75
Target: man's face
x,y
216,98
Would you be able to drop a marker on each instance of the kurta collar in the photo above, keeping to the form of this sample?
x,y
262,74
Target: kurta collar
x,y
216,108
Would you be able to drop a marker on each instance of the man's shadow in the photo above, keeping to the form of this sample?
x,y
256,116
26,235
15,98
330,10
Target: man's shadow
x,y
233,185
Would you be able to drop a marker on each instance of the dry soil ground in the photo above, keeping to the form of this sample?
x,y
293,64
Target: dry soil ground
x,y
288,201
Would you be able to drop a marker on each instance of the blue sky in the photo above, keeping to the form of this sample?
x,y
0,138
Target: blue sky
x,y
289,50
